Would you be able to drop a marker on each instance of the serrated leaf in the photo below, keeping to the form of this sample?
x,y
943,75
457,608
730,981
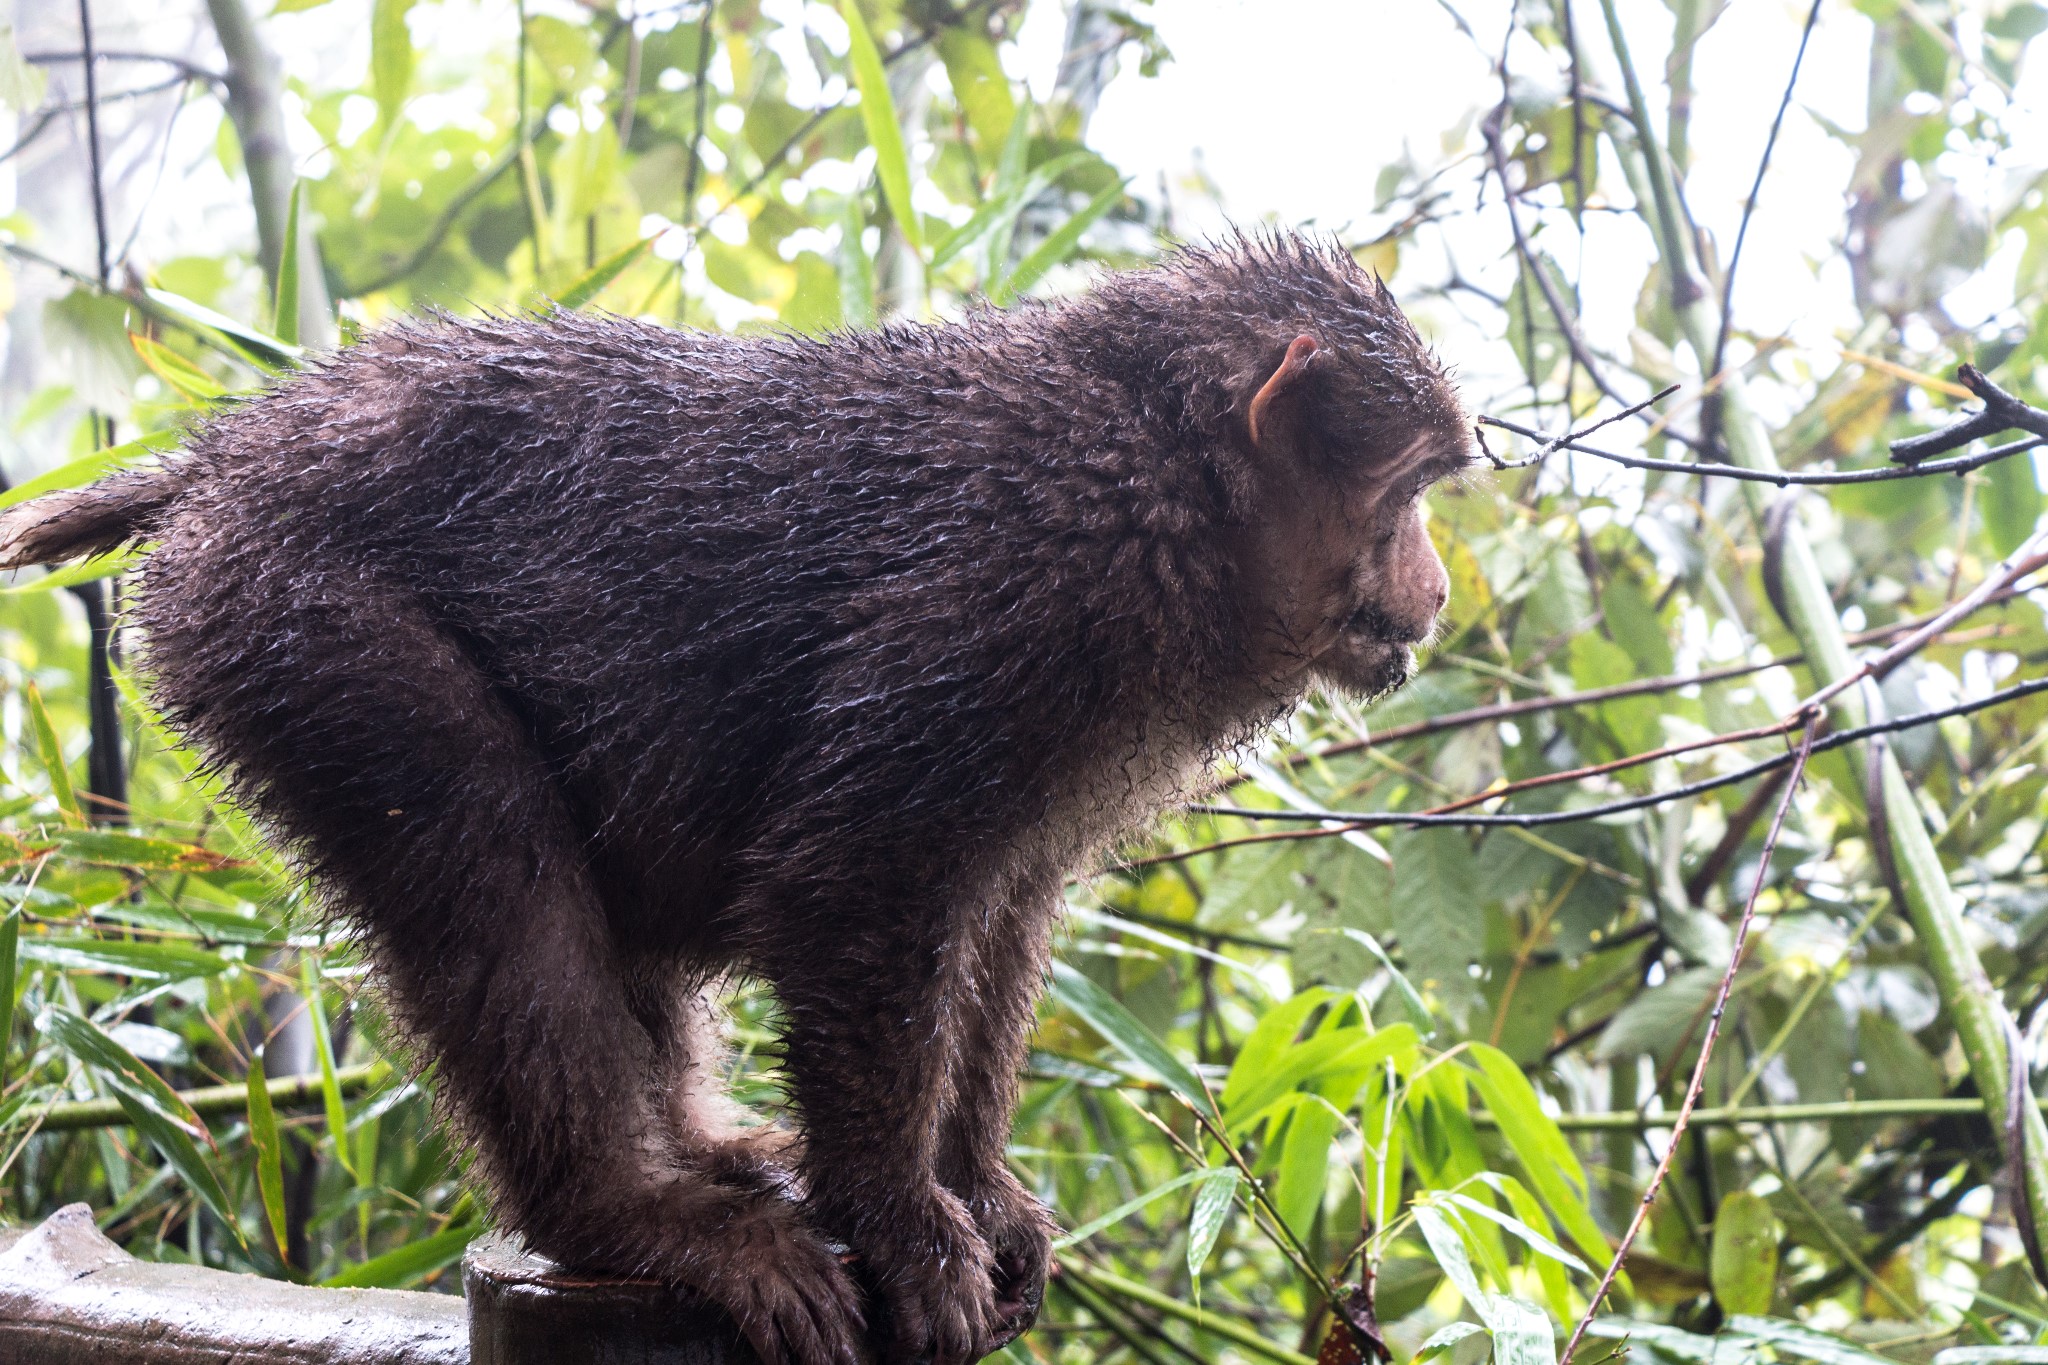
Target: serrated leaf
x,y
1213,1202
1440,915
1122,1031
878,116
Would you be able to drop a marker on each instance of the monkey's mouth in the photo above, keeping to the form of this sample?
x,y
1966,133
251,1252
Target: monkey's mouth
x,y
1370,657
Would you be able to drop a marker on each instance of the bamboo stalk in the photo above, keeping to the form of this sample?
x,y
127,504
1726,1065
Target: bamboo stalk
x,y
206,1101
1965,990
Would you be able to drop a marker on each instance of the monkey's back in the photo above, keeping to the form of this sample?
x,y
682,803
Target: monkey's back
x,y
907,576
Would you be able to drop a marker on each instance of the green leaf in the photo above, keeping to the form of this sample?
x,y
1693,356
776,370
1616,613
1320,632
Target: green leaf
x,y
181,374
90,468
1059,244
1349,1050
1440,916
1794,1339
1521,1334
1546,1157
878,115
1002,209
1443,1339
609,269
1448,1246
1411,999
214,926
1126,1209
50,756
10,934
409,1262
1213,1202
856,270
269,1150
979,84
2011,498
261,348
85,571
1122,1031
1303,1159
1557,1286
110,848
284,305
1745,1260
1672,1341
150,1104
157,961
1273,1036
323,1048
391,58
1520,1228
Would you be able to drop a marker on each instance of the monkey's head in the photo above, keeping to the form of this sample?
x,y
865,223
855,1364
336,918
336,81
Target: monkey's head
x,y
1336,419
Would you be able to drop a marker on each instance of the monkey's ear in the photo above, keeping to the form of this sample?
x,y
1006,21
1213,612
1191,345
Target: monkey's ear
x,y
1264,414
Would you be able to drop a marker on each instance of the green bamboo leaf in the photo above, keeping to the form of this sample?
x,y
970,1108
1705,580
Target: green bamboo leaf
x,y
269,1150
1122,1031
1520,1228
1059,244
878,115
50,757
110,848
1213,1202
1001,210
1992,1355
391,58
85,571
150,1104
1548,1160
1411,999
1521,1334
408,1263
1744,1267
90,468
284,305
181,374
156,961
979,84
10,935
1671,1341
607,270
1273,1036
856,270
1550,1268
1126,1209
1795,1339
323,1048
261,348
212,926
1443,1339
1302,1157
1448,1246
1329,1054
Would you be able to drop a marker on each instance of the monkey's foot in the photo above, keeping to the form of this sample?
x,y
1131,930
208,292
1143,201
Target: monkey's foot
x,y
1019,1233
934,1277
752,1253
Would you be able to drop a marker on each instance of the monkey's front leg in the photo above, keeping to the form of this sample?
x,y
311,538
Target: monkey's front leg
x,y
1010,945
872,1025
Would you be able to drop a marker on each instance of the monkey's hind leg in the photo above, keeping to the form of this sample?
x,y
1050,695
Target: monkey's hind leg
x,y
377,747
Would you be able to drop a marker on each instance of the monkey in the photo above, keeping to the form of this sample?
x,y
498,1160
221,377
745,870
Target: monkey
x,y
584,664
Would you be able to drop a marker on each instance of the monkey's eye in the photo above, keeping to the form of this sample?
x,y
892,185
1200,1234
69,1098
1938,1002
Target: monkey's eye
x,y
1436,470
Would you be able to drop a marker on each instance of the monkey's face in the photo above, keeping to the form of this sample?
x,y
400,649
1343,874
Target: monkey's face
x,y
1352,581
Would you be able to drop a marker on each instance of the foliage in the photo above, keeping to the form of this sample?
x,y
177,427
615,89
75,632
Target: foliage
x,y
1276,1059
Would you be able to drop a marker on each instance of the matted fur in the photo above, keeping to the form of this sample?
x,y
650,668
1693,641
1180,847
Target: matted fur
x,y
583,661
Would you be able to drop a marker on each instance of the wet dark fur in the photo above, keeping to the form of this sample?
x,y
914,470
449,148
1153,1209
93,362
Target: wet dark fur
x,y
583,662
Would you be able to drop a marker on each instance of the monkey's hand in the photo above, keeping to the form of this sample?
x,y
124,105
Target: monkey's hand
x,y
934,1275
1019,1231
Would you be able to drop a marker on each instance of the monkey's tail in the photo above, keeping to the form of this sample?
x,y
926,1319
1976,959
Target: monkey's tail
x,y
78,523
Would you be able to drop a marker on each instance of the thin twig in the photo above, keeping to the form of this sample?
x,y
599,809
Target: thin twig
x,y
1377,819
1962,464
1699,1070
